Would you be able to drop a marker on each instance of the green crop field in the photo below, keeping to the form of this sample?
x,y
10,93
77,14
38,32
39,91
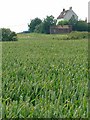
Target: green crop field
x,y
44,76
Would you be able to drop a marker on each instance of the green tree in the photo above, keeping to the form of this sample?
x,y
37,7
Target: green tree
x,y
8,35
34,23
39,28
48,21
73,22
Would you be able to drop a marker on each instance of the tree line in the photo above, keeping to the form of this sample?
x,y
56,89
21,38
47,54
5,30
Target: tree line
x,y
43,26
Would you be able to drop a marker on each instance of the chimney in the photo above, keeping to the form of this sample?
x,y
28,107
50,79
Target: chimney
x,y
70,8
63,9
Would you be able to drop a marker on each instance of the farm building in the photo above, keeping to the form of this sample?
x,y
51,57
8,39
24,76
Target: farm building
x,y
60,29
67,15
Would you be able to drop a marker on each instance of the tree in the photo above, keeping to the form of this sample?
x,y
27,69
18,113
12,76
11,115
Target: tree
x,y
8,35
73,22
49,21
34,23
39,28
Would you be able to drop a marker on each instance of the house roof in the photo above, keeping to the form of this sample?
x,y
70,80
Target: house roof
x,y
63,13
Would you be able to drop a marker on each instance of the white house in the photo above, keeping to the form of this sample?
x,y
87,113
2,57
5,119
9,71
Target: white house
x,y
67,15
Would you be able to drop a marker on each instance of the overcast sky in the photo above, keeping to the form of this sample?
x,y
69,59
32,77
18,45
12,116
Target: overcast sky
x,y
16,14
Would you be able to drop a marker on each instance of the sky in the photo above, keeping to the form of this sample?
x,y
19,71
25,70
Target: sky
x,y
17,14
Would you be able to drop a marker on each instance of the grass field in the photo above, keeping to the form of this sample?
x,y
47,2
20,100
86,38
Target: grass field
x,y
43,76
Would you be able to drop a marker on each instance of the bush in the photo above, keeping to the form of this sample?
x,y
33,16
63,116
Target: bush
x,y
8,35
81,26
75,35
88,27
63,22
78,35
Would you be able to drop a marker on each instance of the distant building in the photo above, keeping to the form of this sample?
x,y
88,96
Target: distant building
x,y
60,29
67,15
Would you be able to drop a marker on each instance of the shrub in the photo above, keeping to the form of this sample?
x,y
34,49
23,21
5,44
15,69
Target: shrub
x,y
8,35
76,35
63,22
81,26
